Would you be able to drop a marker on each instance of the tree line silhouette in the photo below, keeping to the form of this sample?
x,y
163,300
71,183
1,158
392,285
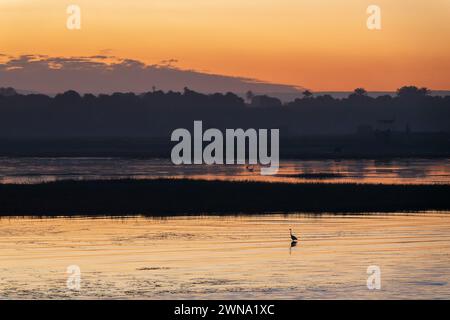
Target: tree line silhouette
x,y
157,113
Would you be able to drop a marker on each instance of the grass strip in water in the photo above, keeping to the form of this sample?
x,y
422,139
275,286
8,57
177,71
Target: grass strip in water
x,y
181,196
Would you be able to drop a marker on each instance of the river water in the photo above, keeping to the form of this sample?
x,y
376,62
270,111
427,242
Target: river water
x,y
227,257
400,171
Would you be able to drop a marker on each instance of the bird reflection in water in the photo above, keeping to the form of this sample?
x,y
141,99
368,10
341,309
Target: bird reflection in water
x,y
293,244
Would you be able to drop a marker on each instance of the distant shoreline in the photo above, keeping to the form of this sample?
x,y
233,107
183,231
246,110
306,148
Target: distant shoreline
x,y
352,146
167,197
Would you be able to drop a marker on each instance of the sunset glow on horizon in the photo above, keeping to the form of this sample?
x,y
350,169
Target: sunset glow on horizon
x,y
323,45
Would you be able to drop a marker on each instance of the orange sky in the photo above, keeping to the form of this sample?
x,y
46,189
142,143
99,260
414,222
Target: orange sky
x,y
318,44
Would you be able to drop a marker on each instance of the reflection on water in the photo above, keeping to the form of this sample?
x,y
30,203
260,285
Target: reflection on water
x,y
227,257
402,171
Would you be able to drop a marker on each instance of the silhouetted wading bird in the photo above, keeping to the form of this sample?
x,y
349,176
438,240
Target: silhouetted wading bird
x,y
293,238
250,168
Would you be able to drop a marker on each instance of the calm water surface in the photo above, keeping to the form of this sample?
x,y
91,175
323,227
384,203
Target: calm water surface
x,y
402,171
238,257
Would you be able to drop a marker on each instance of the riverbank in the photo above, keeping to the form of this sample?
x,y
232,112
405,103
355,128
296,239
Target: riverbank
x,y
182,196
349,146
